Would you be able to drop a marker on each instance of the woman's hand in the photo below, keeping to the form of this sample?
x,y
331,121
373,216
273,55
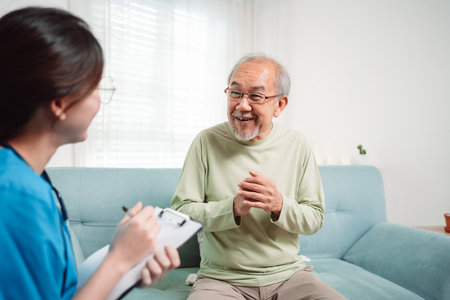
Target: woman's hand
x,y
159,265
135,237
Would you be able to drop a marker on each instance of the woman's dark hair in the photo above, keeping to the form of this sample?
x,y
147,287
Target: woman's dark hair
x,y
45,54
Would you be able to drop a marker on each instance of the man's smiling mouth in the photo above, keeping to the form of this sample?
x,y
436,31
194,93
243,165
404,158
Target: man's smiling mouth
x,y
244,119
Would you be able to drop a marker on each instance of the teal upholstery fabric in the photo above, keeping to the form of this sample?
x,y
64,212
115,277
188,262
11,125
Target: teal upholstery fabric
x,y
94,198
171,288
354,202
413,258
356,251
354,282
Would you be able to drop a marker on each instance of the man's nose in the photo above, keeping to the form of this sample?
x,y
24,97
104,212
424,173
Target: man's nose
x,y
244,105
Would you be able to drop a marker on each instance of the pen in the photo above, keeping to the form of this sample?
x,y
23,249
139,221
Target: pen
x,y
127,211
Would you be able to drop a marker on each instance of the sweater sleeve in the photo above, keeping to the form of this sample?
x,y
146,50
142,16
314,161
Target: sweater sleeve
x,y
304,214
189,197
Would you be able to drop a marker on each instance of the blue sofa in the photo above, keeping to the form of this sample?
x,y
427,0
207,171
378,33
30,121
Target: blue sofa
x,y
356,252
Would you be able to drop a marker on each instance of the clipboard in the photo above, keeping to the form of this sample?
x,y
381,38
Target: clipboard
x,y
176,229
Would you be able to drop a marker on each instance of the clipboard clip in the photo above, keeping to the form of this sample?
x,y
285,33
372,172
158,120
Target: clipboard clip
x,y
173,216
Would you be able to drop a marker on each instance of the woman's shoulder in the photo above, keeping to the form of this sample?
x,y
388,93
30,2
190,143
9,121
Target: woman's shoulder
x,y
27,206
19,180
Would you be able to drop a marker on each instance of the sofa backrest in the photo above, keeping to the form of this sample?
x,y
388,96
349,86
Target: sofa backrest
x,y
354,202
94,198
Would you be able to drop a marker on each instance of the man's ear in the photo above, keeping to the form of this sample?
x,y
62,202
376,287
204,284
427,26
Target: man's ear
x,y
59,107
281,105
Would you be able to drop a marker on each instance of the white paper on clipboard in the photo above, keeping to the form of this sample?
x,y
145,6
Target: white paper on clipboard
x,y
176,229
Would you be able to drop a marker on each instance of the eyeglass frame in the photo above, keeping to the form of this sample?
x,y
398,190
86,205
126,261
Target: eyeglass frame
x,y
249,99
113,89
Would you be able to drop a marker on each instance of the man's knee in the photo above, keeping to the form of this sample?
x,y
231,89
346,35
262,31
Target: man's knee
x,y
307,285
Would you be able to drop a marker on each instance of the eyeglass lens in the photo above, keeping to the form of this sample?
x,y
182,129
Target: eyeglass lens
x,y
106,89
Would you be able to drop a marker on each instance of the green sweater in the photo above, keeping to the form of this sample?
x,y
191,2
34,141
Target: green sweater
x,y
263,249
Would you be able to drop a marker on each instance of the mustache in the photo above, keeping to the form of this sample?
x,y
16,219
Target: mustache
x,y
241,115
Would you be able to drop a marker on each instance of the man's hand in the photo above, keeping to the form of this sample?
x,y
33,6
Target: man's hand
x,y
257,191
240,206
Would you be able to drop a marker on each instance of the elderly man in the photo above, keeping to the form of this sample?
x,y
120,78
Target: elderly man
x,y
255,186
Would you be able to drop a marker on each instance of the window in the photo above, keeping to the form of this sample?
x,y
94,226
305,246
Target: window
x,y
170,61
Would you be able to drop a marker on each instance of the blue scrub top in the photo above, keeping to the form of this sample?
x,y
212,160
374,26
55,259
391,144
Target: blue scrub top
x,y
36,257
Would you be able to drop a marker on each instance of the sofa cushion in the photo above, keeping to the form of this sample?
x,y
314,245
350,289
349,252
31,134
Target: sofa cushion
x,y
356,283
354,202
406,256
172,287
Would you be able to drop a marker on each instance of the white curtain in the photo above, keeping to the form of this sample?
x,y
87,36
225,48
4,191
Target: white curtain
x,y
170,61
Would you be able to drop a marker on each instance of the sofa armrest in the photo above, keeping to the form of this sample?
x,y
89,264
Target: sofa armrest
x,y
416,259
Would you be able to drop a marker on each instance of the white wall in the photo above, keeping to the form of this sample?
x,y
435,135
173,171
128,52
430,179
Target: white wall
x,y
375,73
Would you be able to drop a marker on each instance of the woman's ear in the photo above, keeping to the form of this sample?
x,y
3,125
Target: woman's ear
x,y
58,108
281,105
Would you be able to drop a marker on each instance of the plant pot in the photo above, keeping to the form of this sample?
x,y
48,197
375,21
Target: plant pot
x,y
363,159
447,222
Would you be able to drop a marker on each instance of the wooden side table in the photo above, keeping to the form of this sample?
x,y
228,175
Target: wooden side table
x,y
438,229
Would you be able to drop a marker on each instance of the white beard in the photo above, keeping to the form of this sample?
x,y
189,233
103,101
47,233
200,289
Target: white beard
x,y
246,137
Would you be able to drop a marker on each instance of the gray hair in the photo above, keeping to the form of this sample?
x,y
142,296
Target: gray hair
x,y
282,79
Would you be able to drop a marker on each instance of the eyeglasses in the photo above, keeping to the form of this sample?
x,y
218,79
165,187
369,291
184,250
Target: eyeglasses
x,y
257,98
106,89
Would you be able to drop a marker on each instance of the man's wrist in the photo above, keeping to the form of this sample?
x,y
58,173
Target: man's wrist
x,y
277,211
274,216
237,218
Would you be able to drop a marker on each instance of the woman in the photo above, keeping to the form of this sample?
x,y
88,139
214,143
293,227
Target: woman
x,y
50,67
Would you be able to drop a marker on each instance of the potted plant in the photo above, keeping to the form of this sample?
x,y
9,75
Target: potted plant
x,y
362,156
447,221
